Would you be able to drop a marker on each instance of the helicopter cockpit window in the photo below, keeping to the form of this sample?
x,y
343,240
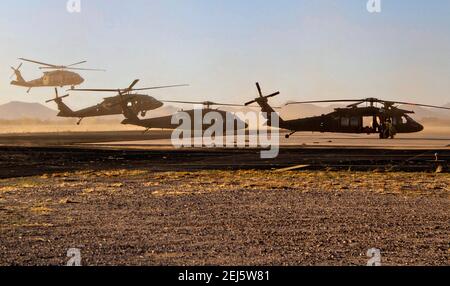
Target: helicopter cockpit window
x,y
345,121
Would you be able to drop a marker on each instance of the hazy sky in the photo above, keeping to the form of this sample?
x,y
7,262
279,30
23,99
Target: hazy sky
x,y
307,49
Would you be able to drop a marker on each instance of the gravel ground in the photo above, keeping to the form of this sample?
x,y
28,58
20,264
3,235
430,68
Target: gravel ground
x,y
139,217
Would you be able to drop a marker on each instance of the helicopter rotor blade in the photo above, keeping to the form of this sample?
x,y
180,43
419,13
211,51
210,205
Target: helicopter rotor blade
x,y
57,98
325,101
207,103
159,87
250,102
358,103
272,95
125,90
84,69
39,63
133,84
69,68
94,90
79,63
258,86
418,104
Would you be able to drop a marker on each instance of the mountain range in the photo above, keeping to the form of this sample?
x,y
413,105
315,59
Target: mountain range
x,y
17,110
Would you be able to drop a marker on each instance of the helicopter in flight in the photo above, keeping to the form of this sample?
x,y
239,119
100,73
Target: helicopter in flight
x,y
165,122
57,76
136,103
387,120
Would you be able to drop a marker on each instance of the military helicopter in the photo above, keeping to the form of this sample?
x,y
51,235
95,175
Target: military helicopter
x,y
387,120
165,122
59,76
136,103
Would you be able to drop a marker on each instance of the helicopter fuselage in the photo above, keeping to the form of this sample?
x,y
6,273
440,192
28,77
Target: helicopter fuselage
x,y
357,120
194,116
57,78
137,103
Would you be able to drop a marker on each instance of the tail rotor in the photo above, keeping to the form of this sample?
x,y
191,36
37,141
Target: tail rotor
x,y
16,70
261,96
57,97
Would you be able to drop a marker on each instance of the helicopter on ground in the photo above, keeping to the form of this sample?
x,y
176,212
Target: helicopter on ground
x,y
58,76
387,120
136,103
165,122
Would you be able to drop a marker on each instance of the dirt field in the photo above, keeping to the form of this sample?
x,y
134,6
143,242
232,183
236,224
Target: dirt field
x,y
139,217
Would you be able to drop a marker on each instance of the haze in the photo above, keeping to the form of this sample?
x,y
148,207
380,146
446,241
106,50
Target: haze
x,y
306,49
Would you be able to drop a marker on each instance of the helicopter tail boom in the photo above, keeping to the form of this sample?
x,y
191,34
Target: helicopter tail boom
x,y
20,81
64,110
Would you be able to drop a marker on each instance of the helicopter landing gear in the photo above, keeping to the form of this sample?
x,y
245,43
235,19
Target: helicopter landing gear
x,y
79,121
28,91
290,134
143,113
386,135
72,87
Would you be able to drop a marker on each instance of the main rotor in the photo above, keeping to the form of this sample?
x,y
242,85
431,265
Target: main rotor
x,y
46,66
129,89
388,104
206,104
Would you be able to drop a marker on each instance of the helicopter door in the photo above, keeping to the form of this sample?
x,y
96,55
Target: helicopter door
x,y
356,124
345,122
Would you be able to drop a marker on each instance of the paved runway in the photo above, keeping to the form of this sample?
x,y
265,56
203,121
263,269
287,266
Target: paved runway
x,y
315,140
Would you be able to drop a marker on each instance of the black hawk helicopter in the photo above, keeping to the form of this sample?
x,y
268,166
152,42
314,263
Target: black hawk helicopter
x,y
59,76
136,103
165,122
387,120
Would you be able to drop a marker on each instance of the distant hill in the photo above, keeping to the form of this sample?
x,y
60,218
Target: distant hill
x,y
17,110
22,110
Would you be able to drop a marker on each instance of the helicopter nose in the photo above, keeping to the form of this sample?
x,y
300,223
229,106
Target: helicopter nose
x,y
80,79
420,127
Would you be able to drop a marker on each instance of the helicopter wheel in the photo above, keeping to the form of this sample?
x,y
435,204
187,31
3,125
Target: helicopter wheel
x,y
287,136
143,113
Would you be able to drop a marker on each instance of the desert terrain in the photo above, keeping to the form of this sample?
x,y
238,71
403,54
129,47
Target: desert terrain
x,y
247,217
